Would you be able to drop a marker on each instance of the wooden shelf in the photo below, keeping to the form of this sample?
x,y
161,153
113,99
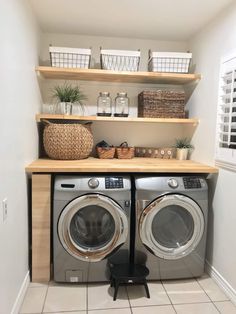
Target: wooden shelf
x,y
115,76
44,116
149,165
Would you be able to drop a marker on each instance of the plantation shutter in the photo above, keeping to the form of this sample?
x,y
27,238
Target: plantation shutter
x,y
226,118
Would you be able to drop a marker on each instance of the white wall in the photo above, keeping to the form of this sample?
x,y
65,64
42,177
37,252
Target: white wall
x,y
148,135
20,100
216,40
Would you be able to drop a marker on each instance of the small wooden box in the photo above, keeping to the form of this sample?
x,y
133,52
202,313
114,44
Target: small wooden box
x,y
151,152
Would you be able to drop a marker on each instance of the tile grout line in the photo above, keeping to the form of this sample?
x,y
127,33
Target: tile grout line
x,y
207,294
45,299
87,284
126,288
168,295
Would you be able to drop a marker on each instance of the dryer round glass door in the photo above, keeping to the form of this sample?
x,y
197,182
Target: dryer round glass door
x,y
92,226
171,226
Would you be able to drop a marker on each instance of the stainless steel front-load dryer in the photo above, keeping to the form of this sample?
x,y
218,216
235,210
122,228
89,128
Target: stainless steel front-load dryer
x,y
171,225
91,218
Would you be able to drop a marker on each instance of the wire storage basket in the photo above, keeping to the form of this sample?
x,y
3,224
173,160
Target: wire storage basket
x,y
171,62
161,104
67,141
64,57
119,60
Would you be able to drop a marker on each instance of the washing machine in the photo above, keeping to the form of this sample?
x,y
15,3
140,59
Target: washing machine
x,y
171,225
91,222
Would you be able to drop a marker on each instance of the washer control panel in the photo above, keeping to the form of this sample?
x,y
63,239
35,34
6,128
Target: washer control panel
x,y
192,183
114,183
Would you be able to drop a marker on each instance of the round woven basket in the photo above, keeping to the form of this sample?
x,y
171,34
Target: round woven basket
x,y
67,141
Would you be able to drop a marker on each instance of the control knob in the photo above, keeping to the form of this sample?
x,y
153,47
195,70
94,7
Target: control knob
x,y
93,183
173,183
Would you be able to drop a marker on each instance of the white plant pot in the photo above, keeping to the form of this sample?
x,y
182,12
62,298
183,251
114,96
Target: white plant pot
x,y
66,108
182,153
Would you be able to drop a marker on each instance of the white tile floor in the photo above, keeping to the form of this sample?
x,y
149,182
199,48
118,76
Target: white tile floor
x,y
201,296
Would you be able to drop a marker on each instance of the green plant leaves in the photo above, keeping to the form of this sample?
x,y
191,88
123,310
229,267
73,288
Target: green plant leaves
x,y
68,93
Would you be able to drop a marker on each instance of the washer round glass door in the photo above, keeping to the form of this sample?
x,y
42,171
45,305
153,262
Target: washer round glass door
x,y
171,226
92,226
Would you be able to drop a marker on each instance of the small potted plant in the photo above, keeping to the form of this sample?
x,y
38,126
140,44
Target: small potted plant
x,y
183,147
67,95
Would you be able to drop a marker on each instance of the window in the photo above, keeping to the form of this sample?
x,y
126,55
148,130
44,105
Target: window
x,y
226,117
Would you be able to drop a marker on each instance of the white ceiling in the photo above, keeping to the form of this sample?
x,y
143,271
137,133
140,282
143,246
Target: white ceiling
x,y
150,19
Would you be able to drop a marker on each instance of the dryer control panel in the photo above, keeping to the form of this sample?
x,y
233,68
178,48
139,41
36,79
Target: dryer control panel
x,y
192,183
114,183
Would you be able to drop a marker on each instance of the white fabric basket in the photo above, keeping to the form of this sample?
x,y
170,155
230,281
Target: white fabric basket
x,y
120,60
64,57
172,62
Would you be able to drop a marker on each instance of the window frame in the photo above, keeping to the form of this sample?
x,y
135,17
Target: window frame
x,y
226,156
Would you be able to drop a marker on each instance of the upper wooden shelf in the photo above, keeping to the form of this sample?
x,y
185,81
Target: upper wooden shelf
x,y
45,116
115,76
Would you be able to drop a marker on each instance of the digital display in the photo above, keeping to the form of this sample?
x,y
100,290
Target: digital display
x,y
114,183
191,183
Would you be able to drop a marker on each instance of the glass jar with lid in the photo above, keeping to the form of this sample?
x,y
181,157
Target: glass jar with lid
x,y
121,105
104,104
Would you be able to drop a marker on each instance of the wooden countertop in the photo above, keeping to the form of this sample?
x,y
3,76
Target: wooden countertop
x,y
119,165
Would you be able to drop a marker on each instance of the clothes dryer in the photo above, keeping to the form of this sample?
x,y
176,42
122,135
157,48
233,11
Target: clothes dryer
x,y
171,225
91,222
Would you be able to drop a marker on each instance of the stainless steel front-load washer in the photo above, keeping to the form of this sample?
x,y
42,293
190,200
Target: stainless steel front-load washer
x,y
91,221
171,225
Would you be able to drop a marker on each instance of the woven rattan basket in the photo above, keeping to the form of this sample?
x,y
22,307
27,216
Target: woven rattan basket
x,y
161,104
67,141
124,151
106,152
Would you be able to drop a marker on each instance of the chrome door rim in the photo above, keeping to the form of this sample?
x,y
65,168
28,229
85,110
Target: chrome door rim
x,y
92,255
148,215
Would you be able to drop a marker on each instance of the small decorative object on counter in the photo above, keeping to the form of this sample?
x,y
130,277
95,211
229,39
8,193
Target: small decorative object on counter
x,y
67,141
105,151
120,60
124,151
64,57
171,62
121,105
104,104
183,147
152,152
161,104
68,95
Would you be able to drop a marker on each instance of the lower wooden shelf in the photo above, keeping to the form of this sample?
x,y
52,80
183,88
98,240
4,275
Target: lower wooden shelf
x,y
134,165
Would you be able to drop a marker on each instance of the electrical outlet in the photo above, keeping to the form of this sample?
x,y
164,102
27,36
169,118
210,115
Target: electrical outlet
x,y
4,209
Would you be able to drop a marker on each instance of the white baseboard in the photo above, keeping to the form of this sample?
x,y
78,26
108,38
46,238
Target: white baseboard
x,y
220,280
20,297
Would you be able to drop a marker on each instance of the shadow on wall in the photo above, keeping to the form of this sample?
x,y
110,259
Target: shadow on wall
x,y
210,233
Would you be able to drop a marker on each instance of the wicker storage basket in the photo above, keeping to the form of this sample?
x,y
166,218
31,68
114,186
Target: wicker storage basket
x,y
67,141
161,104
124,151
152,152
106,152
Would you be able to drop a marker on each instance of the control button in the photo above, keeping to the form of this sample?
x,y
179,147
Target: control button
x,y
93,183
173,183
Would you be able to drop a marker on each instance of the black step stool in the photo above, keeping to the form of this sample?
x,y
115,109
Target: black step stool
x,y
131,274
